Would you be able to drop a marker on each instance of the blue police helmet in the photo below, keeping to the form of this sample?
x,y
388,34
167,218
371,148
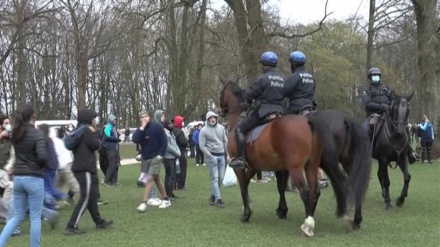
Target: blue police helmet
x,y
269,58
297,57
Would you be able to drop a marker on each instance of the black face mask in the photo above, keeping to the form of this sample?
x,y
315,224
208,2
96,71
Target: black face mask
x,y
167,126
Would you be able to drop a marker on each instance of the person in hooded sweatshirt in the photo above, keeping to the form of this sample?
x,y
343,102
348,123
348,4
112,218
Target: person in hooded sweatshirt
x,y
169,160
213,143
84,169
110,143
182,142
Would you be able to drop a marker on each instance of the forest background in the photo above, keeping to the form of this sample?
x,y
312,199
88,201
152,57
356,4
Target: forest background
x,y
121,56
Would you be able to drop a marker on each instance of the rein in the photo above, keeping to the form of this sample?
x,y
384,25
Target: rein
x,y
388,135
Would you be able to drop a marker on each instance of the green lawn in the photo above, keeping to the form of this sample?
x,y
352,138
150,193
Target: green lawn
x,y
127,151
190,221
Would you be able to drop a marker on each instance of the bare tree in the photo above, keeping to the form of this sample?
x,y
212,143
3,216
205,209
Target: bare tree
x,y
427,39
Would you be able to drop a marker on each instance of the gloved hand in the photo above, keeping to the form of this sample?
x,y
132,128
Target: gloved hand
x,y
385,107
159,157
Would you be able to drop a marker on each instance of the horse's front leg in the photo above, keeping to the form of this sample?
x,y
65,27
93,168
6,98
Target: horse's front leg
x,y
244,176
403,164
282,178
384,181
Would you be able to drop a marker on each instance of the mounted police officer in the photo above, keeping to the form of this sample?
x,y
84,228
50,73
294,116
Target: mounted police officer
x,y
300,86
266,95
377,99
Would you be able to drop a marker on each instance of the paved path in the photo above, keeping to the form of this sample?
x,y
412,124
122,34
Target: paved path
x,y
126,162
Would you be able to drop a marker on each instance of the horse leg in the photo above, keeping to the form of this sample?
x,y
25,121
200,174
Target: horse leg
x,y
282,178
403,164
384,181
243,180
299,179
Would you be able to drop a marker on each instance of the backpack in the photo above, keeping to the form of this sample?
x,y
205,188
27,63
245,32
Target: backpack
x,y
71,141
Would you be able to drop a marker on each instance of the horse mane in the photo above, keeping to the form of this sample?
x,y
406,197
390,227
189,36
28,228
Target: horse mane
x,y
237,90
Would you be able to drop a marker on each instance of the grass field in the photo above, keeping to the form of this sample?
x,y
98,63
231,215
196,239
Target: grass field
x,y
190,221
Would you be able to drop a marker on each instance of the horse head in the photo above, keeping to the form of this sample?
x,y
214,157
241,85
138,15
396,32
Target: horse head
x,y
399,111
231,98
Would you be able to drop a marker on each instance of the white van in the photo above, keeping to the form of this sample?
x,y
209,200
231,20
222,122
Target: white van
x,y
54,125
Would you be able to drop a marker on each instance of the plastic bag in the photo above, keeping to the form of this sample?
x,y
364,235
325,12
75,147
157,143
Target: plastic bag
x,y
230,178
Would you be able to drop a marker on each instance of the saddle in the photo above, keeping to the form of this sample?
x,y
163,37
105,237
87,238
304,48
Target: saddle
x,y
375,124
254,133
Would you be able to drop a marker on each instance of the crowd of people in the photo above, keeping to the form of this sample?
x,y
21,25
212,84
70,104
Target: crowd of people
x,y
30,159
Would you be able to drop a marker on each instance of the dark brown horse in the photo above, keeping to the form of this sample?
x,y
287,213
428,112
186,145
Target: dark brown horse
x,y
291,143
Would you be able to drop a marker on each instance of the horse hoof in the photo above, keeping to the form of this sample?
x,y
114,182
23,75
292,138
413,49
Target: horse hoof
x,y
348,222
244,220
306,232
355,226
400,201
281,215
389,208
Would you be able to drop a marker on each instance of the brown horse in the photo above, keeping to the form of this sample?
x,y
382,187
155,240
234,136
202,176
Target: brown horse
x,y
291,143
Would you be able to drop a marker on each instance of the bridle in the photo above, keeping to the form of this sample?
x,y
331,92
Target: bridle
x,y
397,149
228,110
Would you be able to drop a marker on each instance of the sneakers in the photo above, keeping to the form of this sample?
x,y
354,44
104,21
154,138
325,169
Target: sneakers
x,y
219,203
142,207
165,204
102,202
212,200
104,224
154,202
197,165
140,184
204,164
73,231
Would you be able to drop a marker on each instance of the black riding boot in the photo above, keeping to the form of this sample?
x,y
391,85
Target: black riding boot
x,y
240,160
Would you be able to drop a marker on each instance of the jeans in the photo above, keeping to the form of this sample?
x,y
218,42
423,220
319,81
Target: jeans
x,y
217,168
52,193
47,213
28,193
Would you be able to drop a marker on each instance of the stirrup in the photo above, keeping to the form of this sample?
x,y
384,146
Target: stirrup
x,y
238,163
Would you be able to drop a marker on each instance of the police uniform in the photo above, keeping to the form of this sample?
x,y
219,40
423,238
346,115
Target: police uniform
x,y
268,93
300,89
376,99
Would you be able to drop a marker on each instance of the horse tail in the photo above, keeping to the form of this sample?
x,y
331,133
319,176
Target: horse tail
x,y
330,163
359,174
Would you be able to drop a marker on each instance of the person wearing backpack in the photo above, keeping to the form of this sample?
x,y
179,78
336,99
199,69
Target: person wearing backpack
x,y
85,171
110,143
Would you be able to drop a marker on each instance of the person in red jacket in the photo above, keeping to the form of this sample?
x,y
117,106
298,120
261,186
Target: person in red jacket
x,y
182,142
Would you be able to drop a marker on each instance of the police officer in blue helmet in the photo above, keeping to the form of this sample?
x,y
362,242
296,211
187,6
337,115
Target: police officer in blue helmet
x,y
265,95
376,99
299,86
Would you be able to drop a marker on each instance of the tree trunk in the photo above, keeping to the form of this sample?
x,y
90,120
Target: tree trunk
x,y
252,39
428,92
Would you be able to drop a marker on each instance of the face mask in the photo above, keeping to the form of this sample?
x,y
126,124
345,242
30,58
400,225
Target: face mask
x,y
375,79
8,128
